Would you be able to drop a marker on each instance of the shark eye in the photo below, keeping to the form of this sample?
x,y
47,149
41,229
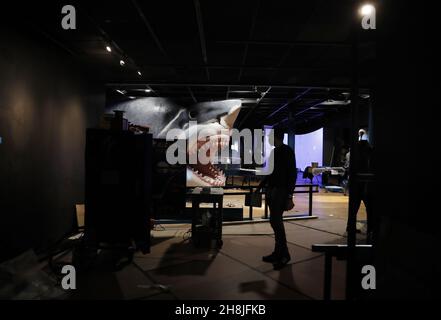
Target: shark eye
x,y
193,114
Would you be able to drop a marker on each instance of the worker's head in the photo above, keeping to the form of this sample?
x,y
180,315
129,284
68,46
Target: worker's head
x,y
278,137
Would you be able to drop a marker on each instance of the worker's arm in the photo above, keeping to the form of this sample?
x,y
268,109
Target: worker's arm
x,y
262,183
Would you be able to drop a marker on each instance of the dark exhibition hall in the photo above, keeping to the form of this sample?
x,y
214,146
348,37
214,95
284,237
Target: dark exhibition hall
x,y
198,151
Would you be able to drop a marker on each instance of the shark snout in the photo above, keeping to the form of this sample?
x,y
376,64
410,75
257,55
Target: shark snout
x,y
228,120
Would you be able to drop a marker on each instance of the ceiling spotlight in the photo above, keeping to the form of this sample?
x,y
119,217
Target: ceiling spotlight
x,y
367,9
139,73
122,63
109,49
148,90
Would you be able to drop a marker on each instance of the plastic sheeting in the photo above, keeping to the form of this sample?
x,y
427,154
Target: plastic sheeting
x,y
22,278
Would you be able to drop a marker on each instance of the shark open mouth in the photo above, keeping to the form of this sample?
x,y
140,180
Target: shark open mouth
x,y
162,115
208,174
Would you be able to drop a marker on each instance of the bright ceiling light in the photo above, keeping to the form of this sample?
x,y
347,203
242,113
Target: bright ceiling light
x,y
139,73
367,9
122,63
148,90
109,49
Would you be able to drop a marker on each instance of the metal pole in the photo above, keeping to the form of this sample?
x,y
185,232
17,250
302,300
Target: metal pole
x,y
328,276
251,204
352,215
310,200
266,209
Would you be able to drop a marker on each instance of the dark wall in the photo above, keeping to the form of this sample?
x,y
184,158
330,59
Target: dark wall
x,y
46,104
337,131
406,141
335,136
328,143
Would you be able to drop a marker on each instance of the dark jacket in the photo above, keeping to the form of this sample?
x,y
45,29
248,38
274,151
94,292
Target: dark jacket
x,y
365,161
284,174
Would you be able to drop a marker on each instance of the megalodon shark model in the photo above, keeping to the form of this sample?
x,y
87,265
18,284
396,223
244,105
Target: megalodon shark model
x,y
215,118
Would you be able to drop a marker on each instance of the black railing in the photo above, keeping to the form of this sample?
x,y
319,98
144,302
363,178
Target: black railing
x,y
341,252
312,188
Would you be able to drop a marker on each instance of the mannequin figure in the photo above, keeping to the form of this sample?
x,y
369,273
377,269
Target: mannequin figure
x,y
362,135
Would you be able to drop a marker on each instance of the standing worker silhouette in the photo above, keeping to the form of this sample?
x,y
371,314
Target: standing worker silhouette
x,y
363,187
280,186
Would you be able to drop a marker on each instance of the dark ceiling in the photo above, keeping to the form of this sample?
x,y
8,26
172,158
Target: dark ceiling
x,y
282,58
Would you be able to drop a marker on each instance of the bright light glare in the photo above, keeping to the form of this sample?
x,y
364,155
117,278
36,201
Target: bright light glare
x,y
367,9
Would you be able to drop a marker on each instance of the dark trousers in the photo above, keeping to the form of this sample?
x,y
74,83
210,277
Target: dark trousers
x,y
363,192
276,199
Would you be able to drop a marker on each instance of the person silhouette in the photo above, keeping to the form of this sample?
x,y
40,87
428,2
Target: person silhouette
x,y
362,190
280,185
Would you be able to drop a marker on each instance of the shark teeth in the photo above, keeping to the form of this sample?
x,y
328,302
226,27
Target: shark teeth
x,y
217,179
208,174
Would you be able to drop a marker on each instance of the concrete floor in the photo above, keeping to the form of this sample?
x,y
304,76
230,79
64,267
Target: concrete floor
x,y
176,270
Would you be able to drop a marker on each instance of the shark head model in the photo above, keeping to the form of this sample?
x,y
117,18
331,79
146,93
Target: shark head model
x,y
214,119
